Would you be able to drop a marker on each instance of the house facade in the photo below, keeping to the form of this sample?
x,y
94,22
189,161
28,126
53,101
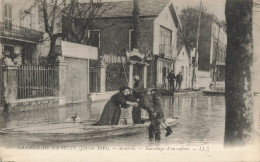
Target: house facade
x,y
19,30
212,48
183,65
19,35
156,53
218,50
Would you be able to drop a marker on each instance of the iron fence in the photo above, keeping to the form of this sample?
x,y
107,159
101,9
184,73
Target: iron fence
x,y
115,76
93,80
35,81
19,32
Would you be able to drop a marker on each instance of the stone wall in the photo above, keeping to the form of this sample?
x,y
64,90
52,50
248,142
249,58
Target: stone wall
x,y
33,104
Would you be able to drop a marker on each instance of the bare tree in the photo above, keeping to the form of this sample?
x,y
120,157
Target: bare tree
x,y
187,36
51,13
76,19
239,63
80,18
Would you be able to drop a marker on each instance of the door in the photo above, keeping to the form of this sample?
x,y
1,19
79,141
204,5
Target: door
x,y
77,82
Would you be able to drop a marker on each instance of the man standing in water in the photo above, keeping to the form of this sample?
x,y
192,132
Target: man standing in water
x,y
152,102
137,93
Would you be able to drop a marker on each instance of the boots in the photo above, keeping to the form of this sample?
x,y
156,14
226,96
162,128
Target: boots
x,y
168,131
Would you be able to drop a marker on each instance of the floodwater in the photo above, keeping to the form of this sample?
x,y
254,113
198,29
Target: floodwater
x,y
201,121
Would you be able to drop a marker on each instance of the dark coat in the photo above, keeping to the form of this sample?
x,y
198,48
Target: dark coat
x,y
112,112
179,78
138,89
153,104
171,77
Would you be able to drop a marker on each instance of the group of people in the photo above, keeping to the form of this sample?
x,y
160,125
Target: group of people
x,y
171,80
138,98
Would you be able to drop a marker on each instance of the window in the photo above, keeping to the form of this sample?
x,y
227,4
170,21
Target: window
x,y
7,16
9,48
94,38
131,39
26,20
166,36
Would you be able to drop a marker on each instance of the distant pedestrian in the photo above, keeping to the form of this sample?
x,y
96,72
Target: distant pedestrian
x,y
171,79
178,81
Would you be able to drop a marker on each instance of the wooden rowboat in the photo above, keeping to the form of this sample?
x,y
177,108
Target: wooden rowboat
x,y
77,131
213,92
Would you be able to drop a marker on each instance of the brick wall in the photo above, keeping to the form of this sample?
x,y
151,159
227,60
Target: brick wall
x,y
120,32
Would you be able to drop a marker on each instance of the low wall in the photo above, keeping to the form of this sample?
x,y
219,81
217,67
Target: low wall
x,y
32,104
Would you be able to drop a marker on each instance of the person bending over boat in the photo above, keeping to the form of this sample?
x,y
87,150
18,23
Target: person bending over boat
x,y
112,110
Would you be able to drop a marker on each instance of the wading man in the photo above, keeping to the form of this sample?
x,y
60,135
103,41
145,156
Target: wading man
x,y
152,102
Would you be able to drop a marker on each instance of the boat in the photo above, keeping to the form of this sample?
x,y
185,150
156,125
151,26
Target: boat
x,y
213,92
78,131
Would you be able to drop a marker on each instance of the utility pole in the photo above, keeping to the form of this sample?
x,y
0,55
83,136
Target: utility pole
x,y
196,50
215,61
135,14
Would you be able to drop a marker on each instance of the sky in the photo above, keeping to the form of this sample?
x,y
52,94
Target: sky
x,y
216,7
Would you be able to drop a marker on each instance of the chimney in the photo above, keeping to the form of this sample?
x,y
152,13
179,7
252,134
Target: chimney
x,y
135,14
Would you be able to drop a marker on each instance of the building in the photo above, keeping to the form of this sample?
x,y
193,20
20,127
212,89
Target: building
x,y
19,30
19,35
212,51
218,50
156,50
183,65
27,83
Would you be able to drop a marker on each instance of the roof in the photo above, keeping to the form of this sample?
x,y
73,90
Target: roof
x,y
125,8
147,8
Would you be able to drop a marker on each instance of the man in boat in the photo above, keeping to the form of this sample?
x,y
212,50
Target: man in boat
x,y
112,110
151,101
137,93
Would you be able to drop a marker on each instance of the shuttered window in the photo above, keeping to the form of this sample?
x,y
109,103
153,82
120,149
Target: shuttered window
x,y
7,16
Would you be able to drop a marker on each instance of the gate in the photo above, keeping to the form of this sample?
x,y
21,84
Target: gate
x,y
76,80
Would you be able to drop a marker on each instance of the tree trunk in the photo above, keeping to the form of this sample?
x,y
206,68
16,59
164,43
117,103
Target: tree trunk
x,y
239,64
52,55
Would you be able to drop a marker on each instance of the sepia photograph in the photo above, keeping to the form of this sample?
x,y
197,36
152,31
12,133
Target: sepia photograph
x,y
129,80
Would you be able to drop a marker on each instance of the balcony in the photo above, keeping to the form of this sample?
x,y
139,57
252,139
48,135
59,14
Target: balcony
x,y
167,51
20,33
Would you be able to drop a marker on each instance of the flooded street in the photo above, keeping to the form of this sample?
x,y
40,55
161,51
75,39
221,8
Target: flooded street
x,y
201,121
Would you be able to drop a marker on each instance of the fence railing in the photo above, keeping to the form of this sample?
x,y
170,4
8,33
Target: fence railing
x,y
19,32
115,76
92,80
35,81
167,51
